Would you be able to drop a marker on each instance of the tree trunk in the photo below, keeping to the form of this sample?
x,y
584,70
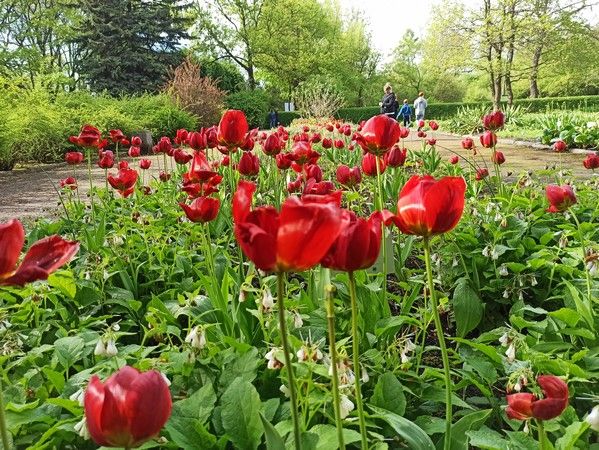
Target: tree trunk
x,y
534,73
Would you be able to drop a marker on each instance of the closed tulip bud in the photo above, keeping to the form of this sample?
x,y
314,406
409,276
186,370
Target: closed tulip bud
x,y
591,162
369,165
181,136
433,125
560,146
73,158
432,142
482,173
249,165
164,176
164,146
421,134
327,143
314,171
454,159
272,145
348,177
494,121
197,140
181,156
136,141
396,157
316,138
106,161
145,164
498,158
378,134
467,143
232,129
339,143
488,139
421,124
134,152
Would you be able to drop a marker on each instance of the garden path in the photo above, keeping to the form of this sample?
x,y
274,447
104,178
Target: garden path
x,y
31,192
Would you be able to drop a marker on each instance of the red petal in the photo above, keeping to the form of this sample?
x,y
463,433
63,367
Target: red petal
x,y
12,238
242,200
92,402
444,203
549,408
257,237
520,406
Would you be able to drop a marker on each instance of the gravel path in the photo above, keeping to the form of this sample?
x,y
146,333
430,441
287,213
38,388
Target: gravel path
x,y
29,193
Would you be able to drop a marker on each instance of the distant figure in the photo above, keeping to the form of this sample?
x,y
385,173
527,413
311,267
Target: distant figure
x,y
276,118
405,113
273,118
420,105
389,105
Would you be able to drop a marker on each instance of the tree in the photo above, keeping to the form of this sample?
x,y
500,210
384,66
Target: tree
x,y
128,46
406,68
228,28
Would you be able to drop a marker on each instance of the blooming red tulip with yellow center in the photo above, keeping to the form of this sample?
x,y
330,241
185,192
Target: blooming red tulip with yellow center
x,y
524,406
232,129
379,134
128,409
560,197
427,206
295,239
43,257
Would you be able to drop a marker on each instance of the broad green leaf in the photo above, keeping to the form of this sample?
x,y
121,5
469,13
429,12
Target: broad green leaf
x,y
573,433
412,434
327,437
64,281
566,315
69,350
467,306
389,395
240,415
274,441
487,439
471,421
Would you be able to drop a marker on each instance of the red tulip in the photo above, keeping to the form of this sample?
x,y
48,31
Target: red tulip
x,y
164,176
433,125
197,140
481,173
43,257
498,158
272,145
379,134
420,124
494,121
330,127
327,143
303,154
136,141
106,160
454,159
73,158
89,136
348,177
248,143
123,165
339,143
369,163
145,164
181,156
200,170
316,138
232,129
164,146
249,164
202,209
357,246
295,239
427,206
116,136
127,410
560,197
313,187
432,142
560,146
134,151
69,182
404,132
295,186
284,160
314,171
74,140
396,157
181,136
591,162
524,406
488,139
124,181
467,143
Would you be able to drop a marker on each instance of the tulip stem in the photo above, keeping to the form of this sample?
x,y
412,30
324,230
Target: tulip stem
x,y
333,350
3,429
542,435
91,182
356,358
584,255
381,205
441,338
290,374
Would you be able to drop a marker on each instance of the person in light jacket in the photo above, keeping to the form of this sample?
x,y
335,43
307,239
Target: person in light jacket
x,y
420,105
389,104
405,113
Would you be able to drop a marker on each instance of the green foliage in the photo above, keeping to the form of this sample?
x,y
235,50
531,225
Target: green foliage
x,y
253,103
226,74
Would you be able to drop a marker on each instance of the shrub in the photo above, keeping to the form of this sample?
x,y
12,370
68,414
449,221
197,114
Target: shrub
x,y
317,100
253,103
197,95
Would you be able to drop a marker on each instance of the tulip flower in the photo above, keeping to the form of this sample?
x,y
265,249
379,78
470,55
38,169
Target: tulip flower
x,y
494,121
181,136
89,136
432,142
591,162
560,146
357,246
316,138
117,136
106,160
293,240
145,164
560,197
164,176
404,132
73,158
249,164
232,128
481,173
498,158
379,134
421,134
339,144
396,157
295,186
127,410
348,177
134,152
69,182
200,169
370,162
467,143
327,143
43,257
164,146
202,209
433,125
488,139
124,181
272,145
427,206
181,156
313,187
524,406
303,154
136,141
284,160
314,171
454,159
248,143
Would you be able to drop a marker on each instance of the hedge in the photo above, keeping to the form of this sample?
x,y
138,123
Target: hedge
x,y
447,110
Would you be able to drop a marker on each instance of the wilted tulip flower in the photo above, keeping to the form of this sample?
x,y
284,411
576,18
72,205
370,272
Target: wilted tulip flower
x,y
69,182
106,160
427,206
560,197
524,406
127,410
43,257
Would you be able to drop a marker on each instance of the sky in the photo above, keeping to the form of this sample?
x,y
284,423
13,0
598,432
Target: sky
x,y
389,19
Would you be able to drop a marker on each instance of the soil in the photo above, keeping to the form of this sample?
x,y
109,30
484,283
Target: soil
x,y
32,192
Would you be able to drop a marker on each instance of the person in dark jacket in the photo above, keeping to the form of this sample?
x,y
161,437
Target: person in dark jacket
x,y
389,105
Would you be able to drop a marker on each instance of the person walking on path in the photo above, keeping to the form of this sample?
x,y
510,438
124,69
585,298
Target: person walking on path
x,y
272,118
420,105
389,105
405,113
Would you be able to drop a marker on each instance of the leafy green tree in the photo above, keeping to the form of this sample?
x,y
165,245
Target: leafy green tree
x,y
225,73
128,46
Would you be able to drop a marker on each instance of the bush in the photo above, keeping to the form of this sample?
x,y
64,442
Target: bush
x,y
317,100
253,103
